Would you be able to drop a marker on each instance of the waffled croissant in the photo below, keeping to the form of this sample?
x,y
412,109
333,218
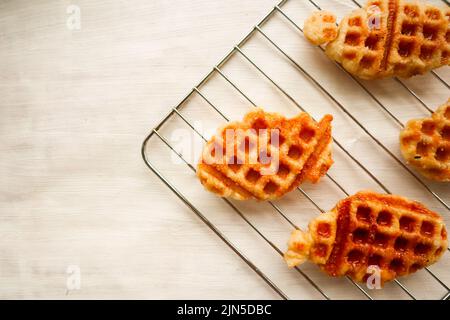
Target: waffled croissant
x,y
370,230
385,38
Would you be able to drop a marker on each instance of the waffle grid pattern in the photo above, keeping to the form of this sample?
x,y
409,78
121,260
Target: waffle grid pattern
x,y
303,153
398,39
425,144
395,234
272,282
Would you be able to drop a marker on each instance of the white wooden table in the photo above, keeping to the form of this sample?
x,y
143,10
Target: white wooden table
x,y
75,105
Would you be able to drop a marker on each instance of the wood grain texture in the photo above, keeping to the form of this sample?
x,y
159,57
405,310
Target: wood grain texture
x,y
74,109
76,105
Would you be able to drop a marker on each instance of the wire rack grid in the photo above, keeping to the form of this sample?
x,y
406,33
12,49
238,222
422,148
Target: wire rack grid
x,y
360,138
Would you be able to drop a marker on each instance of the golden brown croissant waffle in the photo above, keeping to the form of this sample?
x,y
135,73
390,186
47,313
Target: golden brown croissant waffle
x,y
265,155
389,38
369,229
425,144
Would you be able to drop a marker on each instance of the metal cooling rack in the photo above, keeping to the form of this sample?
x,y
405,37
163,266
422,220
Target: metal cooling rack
x,y
218,71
